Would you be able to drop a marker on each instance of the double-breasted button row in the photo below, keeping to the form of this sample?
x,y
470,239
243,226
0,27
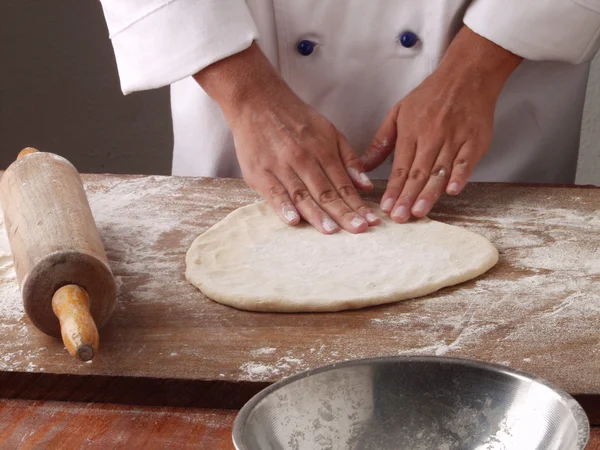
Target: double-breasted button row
x,y
407,39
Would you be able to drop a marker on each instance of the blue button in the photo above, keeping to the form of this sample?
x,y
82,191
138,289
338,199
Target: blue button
x,y
408,39
305,47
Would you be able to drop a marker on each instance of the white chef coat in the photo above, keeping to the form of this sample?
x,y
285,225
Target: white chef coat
x,y
359,68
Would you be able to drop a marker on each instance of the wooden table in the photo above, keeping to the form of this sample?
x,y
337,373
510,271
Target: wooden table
x,y
169,346
57,425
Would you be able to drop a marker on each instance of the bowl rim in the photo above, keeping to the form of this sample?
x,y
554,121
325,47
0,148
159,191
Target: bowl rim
x,y
581,419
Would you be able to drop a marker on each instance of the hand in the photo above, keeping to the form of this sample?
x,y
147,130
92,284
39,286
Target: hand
x,y
289,153
441,130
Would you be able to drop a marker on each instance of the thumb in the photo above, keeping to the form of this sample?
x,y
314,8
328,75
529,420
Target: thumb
x,y
353,164
383,143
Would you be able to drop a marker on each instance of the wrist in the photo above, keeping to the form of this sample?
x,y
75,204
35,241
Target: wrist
x,y
476,59
239,81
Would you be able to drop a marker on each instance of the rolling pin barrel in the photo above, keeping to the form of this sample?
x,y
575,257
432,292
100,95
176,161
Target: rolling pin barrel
x,y
60,262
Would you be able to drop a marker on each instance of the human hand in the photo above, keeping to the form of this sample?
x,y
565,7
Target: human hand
x,y
290,154
441,130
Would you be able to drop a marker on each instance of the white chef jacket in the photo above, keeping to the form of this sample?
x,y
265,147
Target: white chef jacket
x,y
359,68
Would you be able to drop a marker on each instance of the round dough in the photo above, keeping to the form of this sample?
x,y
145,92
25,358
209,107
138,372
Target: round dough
x,y
251,260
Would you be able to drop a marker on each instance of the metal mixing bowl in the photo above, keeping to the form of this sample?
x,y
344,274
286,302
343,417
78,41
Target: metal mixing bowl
x,y
411,403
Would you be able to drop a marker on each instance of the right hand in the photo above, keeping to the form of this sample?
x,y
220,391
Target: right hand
x,y
289,153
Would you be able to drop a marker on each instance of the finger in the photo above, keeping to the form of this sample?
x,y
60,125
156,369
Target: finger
x,y
305,205
438,180
418,175
354,165
383,142
327,196
403,159
467,158
276,194
340,179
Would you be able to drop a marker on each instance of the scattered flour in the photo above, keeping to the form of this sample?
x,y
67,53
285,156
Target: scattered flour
x,y
530,312
259,371
11,305
536,310
264,351
133,236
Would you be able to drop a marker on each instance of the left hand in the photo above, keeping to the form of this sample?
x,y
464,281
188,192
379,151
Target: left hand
x,y
441,130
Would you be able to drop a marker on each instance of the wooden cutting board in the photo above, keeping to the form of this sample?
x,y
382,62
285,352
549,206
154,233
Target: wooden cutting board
x,y
538,310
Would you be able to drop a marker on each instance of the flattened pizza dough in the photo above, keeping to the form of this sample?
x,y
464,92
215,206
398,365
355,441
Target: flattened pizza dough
x,y
251,260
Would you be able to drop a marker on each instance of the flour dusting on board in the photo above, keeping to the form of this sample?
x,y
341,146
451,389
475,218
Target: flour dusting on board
x,y
543,296
133,236
11,305
145,244
258,371
537,310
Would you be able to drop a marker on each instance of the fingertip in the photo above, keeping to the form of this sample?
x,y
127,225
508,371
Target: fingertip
x,y
290,214
454,188
329,226
387,204
400,214
358,225
367,188
421,208
372,218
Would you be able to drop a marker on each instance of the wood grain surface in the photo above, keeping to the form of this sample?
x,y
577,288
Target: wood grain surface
x,y
58,425
538,310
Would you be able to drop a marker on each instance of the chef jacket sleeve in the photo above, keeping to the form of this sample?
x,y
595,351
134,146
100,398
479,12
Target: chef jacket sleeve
x,y
555,30
159,42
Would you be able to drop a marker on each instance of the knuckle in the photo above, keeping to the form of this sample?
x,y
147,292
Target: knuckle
x,y
297,153
346,191
418,174
275,191
328,196
299,195
330,161
400,173
440,171
461,163
307,163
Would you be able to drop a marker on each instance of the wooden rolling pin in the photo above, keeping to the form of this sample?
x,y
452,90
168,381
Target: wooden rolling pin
x,y
67,286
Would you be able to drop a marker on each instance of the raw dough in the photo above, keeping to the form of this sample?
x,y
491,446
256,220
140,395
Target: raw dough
x,y
251,260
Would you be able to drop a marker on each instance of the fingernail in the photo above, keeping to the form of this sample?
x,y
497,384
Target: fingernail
x,y
289,213
401,212
365,179
329,225
371,218
454,188
420,207
359,177
387,204
357,222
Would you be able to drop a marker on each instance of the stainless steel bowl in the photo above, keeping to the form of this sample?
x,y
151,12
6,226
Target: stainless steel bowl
x,y
411,403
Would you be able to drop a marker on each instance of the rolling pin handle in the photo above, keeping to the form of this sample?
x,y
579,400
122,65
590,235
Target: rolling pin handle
x,y
26,151
71,304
